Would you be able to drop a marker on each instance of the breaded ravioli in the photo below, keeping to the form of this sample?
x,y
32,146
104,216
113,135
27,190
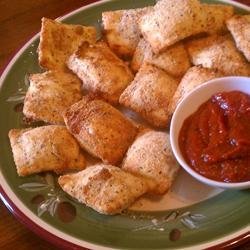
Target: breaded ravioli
x,y
46,148
150,94
174,60
122,31
58,41
49,94
194,77
216,16
220,53
100,129
101,71
151,156
171,21
105,188
239,27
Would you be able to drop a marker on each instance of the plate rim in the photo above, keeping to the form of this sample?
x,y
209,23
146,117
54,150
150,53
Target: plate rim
x,y
37,225
18,208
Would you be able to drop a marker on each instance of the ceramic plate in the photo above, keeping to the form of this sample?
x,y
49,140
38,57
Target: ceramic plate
x,y
190,216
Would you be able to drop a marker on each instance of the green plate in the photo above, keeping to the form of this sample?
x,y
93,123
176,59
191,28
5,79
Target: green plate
x,y
195,223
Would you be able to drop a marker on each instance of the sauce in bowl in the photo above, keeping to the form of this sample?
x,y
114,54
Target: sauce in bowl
x,y
215,140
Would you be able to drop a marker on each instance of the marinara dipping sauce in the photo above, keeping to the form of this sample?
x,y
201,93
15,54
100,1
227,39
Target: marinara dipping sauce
x,y
215,140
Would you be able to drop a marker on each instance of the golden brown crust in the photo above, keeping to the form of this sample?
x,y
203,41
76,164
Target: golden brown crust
x,y
42,149
122,31
100,129
174,60
58,41
149,94
49,94
194,77
151,156
105,188
143,50
239,26
171,21
101,71
220,53
216,16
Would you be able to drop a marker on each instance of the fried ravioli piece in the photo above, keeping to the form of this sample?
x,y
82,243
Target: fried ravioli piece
x,y
105,188
194,77
239,26
174,60
58,41
122,31
216,16
101,71
47,148
49,94
150,156
171,21
100,129
149,94
220,53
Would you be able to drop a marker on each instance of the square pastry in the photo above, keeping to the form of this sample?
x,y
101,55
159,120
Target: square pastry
x,y
42,149
151,156
122,31
174,60
101,71
100,129
239,27
220,53
194,77
216,16
105,188
149,94
58,41
171,21
49,94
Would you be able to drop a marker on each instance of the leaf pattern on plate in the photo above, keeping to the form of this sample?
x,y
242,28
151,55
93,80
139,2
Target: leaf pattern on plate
x,y
33,186
53,198
49,205
189,220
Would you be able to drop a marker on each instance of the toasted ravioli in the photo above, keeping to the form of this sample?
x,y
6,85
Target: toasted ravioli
x,y
100,129
174,60
101,71
47,148
216,16
150,156
194,77
239,27
171,21
58,41
105,188
149,94
218,52
122,31
49,94
143,50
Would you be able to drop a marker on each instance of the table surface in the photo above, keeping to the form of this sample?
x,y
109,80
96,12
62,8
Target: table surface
x,y
19,21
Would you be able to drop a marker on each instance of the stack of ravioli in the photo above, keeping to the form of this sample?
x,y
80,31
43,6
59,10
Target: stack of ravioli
x,y
147,61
